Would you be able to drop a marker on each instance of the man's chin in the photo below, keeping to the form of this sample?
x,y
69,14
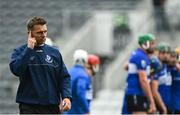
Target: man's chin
x,y
39,43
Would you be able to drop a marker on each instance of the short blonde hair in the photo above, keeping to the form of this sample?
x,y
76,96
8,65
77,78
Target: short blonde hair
x,y
36,20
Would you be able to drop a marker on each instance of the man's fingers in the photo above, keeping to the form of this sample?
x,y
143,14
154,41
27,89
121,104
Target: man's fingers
x,y
66,108
31,40
151,111
29,34
65,105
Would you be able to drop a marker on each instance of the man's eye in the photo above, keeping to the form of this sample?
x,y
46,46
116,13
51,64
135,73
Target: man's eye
x,y
41,32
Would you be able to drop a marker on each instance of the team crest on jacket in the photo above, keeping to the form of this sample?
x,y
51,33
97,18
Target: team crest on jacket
x,y
48,59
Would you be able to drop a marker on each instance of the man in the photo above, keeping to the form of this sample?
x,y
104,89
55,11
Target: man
x,y
92,67
175,88
139,99
85,66
44,79
162,80
156,67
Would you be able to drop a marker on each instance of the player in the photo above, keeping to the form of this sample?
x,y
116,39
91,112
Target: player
x,y
175,88
162,80
156,67
85,67
139,97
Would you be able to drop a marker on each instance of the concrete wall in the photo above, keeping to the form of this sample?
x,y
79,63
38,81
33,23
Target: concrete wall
x,y
95,37
103,40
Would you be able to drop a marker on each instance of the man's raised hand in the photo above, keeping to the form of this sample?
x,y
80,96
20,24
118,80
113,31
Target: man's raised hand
x,y
31,41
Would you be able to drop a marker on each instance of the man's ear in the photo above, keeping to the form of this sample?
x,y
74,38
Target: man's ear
x,y
146,45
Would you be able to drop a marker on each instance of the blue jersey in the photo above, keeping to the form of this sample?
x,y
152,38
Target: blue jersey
x,y
164,79
175,88
81,90
138,61
42,74
156,64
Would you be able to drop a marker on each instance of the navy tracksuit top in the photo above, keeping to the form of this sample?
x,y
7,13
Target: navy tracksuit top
x,y
43,76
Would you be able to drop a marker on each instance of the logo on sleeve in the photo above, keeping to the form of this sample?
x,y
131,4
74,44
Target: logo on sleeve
x,y
48,59
143,64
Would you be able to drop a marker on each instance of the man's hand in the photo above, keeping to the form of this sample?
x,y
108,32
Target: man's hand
x,y
31,41
164,111
65,104
152,108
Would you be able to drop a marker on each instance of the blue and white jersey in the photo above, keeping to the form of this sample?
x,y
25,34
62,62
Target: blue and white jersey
x,y
175,88
82,92
164,79
156,65
138,61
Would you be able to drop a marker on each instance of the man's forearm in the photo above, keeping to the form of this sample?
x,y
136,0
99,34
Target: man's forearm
x,y
66,87
160,102
146,88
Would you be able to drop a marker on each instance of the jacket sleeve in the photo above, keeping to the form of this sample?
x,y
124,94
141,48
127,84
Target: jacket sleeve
x,y
19,61
65,81
81,94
